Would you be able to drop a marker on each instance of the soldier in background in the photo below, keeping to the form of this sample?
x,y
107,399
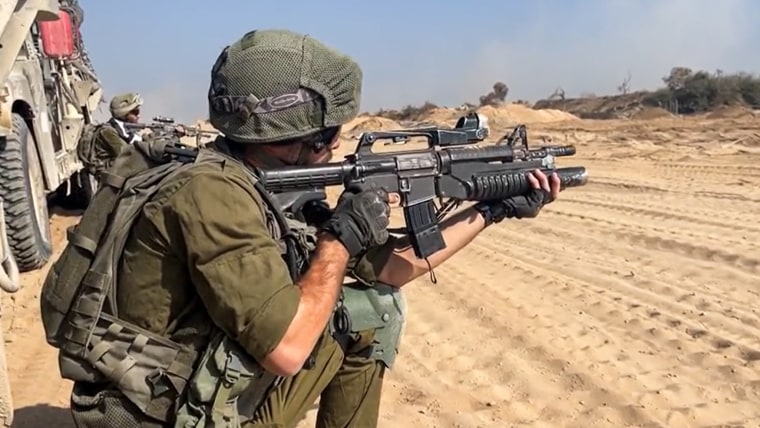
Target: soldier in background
x,y
101,143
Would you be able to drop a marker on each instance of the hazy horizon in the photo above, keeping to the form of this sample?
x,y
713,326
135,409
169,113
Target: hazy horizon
x,y
411,52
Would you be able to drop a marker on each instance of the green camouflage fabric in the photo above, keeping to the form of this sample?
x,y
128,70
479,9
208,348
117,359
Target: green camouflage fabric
x,y
273,85
98,146
200,255
203,221
348,386
172,292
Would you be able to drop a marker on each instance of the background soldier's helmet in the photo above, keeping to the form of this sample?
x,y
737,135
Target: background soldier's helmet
x,y
122,104
273,85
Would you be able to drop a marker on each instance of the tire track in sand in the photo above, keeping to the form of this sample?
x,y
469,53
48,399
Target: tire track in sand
x,y
711,285
666,302
674,314
695,250
703,169
647,175
668,210
487,344
701,284
617,186
646,362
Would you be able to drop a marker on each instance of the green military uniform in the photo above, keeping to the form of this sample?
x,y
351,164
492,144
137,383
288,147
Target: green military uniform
x,y
101,144
107,144
206,255
202,254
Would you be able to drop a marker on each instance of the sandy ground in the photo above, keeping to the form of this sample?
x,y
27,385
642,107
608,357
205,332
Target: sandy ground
x,y
629,302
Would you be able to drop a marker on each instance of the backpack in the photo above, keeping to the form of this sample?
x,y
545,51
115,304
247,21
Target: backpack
x,y
86,151
77,300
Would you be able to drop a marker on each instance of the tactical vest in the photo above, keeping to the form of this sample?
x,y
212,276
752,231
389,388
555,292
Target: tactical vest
x,y
154,373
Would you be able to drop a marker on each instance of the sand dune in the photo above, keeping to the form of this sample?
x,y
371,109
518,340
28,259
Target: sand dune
x,y
628,302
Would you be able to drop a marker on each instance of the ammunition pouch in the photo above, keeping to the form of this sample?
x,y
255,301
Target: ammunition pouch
x,y
361,310
227,388
150,371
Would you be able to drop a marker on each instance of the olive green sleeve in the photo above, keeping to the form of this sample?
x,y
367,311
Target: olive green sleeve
x,y
110,141
367,268
234,262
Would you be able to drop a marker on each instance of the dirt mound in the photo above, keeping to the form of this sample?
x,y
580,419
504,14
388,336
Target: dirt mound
x,y
370,123
730,112
603,107
443,116
650,113
500,116
511,114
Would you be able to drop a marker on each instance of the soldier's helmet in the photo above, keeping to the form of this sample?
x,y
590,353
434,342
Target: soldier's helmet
x,y
274,85
122,104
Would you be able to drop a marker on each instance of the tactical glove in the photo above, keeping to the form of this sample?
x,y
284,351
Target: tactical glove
x,y
360,220
524,206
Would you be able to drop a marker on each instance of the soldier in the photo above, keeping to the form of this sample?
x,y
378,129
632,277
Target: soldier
x,y
126,108
101,143
207,264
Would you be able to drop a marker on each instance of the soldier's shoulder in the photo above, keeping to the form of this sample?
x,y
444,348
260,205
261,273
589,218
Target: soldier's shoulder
x,y
201,184
105,129
223,177
217,167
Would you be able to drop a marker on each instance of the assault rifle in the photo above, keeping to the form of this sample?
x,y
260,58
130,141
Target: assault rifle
x,y
166,125
446,170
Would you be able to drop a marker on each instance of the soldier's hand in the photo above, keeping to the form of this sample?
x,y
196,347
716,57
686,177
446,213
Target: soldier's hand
x,y
360,220
180,130
545,191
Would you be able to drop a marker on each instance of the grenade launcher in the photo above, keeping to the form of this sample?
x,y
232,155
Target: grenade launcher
x,y
449,170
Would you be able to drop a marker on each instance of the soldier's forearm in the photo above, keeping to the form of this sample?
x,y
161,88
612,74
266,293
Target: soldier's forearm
x,y
320,286
458,230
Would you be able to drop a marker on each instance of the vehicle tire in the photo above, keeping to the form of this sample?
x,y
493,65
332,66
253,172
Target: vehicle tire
x,y
22,188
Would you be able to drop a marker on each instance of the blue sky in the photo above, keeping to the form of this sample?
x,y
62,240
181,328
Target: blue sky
x,y
446,51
